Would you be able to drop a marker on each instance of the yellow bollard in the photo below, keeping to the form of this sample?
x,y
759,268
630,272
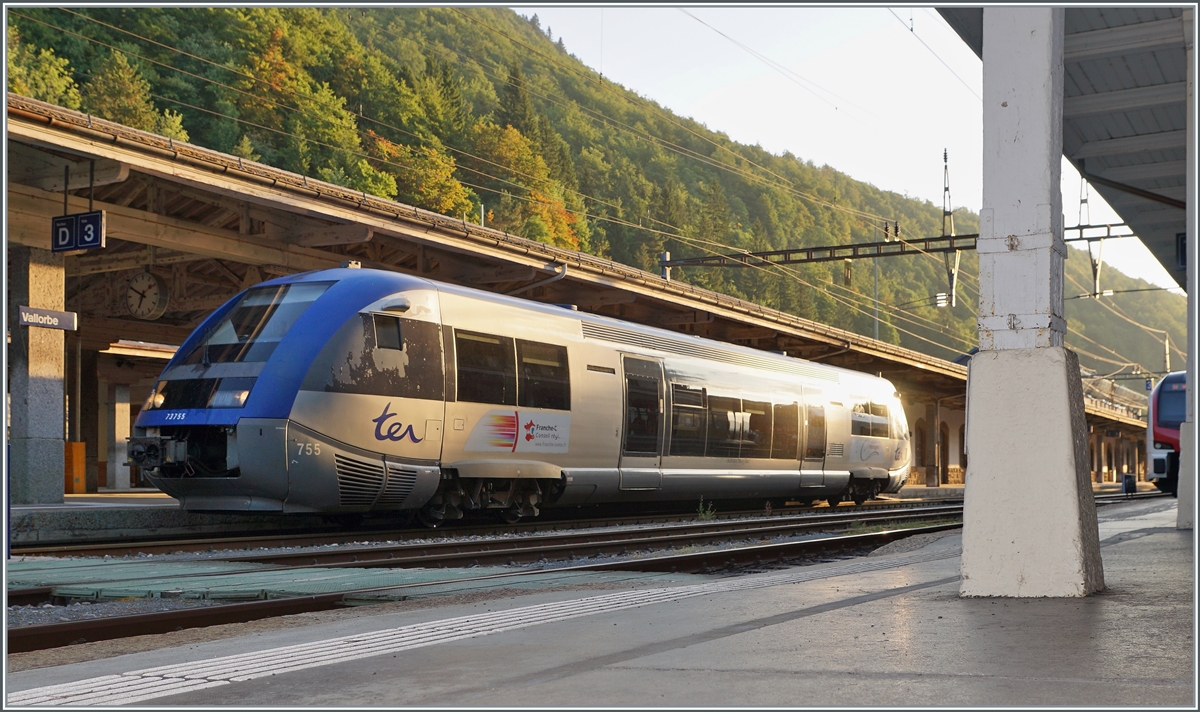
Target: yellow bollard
x,y
74,470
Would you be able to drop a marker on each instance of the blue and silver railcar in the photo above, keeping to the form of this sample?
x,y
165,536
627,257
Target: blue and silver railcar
x,y
352,390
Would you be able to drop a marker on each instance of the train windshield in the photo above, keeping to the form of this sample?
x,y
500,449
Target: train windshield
x,y
256,324
1172,408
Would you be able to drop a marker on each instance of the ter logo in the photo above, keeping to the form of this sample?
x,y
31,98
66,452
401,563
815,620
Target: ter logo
x,y
396,431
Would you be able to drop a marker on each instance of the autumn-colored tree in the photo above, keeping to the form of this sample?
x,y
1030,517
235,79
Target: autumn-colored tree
x,y
536,205
424,176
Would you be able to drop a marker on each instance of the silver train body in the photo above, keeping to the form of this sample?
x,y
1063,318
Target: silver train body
x,y
417,395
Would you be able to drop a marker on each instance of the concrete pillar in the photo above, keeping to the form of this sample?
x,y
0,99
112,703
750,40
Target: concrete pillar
x,y
118,429
35,372
104,432
1029,525
1186,513
931,424
89,412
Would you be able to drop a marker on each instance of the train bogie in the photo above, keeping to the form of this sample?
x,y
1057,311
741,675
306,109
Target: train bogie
x,y
354,390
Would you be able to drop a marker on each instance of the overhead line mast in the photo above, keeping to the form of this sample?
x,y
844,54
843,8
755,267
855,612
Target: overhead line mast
x,y
948,217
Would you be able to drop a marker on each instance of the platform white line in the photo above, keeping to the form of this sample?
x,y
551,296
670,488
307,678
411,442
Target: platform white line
x,y
139,685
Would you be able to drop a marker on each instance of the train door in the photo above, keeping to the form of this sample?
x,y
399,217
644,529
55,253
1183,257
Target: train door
x,y
642,441
812,463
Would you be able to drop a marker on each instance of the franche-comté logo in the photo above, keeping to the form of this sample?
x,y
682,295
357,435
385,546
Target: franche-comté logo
x,y
533,430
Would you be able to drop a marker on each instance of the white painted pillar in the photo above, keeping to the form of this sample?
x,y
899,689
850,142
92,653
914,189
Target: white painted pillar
x,y
1186,513
118,428
1029,519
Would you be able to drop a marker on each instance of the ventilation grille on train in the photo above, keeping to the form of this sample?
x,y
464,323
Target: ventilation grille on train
x,y
400,483
698,349
359,481
836,450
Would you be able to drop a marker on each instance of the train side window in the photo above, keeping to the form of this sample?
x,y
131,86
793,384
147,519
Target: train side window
x,y
756,437
688,427
814,449
544,381
899,424
786,432
486,368
642,414
723,427
355,361
387,332
860,419
879,420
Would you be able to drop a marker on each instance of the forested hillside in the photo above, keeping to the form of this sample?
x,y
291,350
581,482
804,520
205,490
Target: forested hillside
x,y
457,109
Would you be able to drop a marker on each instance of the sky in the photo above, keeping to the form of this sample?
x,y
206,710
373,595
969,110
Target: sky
x,y
876,93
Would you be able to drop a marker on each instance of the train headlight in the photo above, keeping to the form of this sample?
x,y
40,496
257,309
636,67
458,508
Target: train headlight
x,y
156,397
231,393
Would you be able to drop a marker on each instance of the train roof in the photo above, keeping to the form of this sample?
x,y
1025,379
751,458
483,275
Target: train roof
x,y
615,330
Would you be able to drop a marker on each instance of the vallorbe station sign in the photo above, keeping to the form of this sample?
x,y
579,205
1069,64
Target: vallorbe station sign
x,y
48,318
81,231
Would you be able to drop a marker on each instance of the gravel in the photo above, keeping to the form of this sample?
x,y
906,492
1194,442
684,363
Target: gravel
x,y
914,542
84,610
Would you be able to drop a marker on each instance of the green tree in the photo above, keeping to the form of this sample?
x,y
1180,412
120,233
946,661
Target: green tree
x,y
516,110
118,92
245,149
40,74
170,124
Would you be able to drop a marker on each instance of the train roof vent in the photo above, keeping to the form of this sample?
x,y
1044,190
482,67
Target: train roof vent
x,y
359,481
698,349
401,481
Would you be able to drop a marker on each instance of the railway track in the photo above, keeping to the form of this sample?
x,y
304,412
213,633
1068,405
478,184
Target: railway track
x,y
251,542
172,545
52,635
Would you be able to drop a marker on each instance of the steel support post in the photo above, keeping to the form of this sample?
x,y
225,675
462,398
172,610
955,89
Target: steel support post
x,y
1185,515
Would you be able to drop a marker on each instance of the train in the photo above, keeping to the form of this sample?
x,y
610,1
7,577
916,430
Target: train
x,y
1168,409
350,391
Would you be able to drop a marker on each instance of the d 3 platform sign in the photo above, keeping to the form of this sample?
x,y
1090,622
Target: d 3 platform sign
x,y
81,231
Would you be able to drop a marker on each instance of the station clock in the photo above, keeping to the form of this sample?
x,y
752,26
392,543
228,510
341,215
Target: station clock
x,y
146,296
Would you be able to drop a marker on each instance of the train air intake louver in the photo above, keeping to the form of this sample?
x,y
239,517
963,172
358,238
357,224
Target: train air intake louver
x,y
359,481
400,483
837,449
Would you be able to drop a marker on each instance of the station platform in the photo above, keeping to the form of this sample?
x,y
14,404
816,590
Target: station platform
x,y
884,630
137,514
956,491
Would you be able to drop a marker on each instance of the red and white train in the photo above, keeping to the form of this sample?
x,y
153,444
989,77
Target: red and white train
x,y
1168,409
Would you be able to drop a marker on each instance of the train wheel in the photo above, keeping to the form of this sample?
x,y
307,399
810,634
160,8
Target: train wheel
x,y
860,499
834,500
427,519
512,515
